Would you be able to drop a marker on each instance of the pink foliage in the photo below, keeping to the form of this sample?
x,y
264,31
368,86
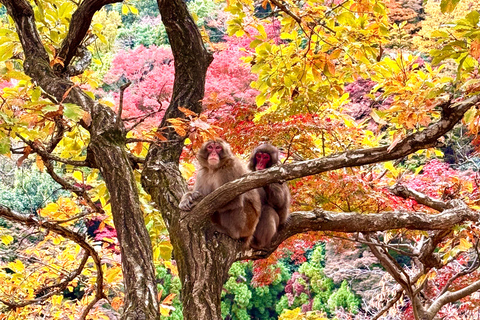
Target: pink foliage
x,y
439,180
5,84
151,72
228,78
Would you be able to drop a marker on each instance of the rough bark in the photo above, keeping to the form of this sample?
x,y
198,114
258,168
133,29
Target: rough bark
x,y
198,261
107,145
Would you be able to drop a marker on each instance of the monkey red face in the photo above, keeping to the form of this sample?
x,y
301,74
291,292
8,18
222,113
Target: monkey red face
x,y
263,160
214,149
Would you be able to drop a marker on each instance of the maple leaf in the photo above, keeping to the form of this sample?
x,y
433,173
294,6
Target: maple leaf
x,y
475,49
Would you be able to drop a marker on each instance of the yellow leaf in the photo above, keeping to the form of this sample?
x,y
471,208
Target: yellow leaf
x,y
464,245
6,239
389,166
112,274
56,240
78,175
165,310
172,267
17,266
57,300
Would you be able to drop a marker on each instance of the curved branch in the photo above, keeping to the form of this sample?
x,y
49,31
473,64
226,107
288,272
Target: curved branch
x,y
64,232
67,186
320,220
450,297
59,287
81,20
412,143
404,192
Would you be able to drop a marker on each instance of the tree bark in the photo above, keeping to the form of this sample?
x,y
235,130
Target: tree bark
x,y
107,145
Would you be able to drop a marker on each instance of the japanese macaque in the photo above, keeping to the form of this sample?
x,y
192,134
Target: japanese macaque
x,y
275,197
218,165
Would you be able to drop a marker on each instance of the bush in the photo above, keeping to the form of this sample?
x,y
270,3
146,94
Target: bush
x,y
31,190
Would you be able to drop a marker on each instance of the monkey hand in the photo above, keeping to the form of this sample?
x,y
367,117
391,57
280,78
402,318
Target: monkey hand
x,y
189,200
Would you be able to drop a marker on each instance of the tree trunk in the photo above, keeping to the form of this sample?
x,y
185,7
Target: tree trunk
x,y
203,259
107,145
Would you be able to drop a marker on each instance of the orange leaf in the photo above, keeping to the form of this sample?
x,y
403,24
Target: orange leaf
x,y
187,112
67,92
475,49
56,60
160,136
138,148
26,152
87,118
169,299
39,163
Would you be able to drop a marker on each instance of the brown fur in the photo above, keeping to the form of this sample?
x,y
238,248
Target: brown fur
x,y
275,201
239,217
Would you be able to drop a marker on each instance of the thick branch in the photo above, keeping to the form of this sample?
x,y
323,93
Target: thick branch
x,y
404,192
412,143
320,220
450,297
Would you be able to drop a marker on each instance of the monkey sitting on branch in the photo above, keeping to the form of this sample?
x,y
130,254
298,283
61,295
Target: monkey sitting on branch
x,y
218,165
275,197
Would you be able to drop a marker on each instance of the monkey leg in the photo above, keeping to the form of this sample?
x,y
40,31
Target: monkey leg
x,y
266,228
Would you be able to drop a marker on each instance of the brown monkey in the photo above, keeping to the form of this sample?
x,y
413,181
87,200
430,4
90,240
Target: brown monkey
x,y
218,165
275,197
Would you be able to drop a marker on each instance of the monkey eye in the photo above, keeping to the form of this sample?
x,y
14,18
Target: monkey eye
x,y
262,156
210,147
218,148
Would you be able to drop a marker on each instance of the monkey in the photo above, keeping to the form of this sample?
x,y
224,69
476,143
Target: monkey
x,y
275,197
218,165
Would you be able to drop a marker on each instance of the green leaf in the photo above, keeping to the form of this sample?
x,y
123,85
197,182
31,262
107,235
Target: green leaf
x,y
6,50
4,145
72,111
447,6
473,17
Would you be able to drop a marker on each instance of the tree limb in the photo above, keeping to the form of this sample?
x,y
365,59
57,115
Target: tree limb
x,y
412,143
404,192
321,220
31,220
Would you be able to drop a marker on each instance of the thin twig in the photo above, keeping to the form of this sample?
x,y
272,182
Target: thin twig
x,y
120,106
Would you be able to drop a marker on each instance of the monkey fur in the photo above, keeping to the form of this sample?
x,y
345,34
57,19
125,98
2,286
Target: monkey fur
x,y
218,165
275,197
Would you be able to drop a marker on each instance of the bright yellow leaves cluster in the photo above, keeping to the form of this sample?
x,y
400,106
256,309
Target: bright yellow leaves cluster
x,y
46,259
321,46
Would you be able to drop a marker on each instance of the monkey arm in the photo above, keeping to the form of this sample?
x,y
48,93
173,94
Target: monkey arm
x,y
278,195
189,200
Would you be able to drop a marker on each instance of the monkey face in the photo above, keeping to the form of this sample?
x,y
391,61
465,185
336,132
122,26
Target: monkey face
x,y
263,161
214,151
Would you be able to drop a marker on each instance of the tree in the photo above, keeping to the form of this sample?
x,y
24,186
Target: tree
x,y
320,60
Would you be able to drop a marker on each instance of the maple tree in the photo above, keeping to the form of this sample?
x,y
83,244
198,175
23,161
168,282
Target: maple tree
x,y
301,67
